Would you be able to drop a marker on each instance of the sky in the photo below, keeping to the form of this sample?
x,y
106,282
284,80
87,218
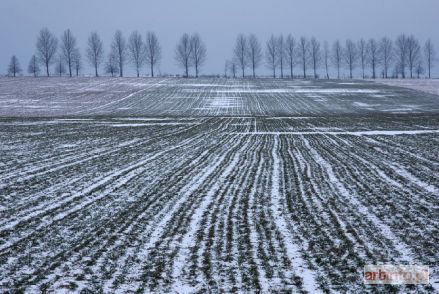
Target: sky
x,y
218,23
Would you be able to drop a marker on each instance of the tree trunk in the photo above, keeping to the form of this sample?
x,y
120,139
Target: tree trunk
x,y
327,73
373,71
291,69
47,68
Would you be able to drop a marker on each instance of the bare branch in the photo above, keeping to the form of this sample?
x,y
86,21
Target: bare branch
x,y
95,51
137,51
153,51
47,45
183,53
198,53
337,56
363,49
112,65
291,53
68,47
350,56
373,56
430,56
385,55
118,49
304,50
271,54
33,68
14,67
240,53
254,52
316,55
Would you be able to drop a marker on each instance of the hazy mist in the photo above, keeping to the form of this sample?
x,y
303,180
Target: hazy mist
x,y
218,23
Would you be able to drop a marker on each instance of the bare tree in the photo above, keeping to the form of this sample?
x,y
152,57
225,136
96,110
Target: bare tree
x,y
326,57
363,49
281,54
240,53
136,50
14,66
46,48
271,54
254,52
33,68
95,51
316,55
401,52
304,48
385,55
350,55
413,53
199,53
60,68
226,68
77,62
430,56
112,65
153,51
337,56
68,47
372,56
233,68
291,53
118,48
183,53
419,68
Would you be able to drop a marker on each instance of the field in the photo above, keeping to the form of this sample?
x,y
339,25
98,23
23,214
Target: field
x,y
185,186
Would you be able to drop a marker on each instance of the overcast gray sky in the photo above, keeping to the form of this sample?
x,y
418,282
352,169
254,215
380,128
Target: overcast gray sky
x,y
218,22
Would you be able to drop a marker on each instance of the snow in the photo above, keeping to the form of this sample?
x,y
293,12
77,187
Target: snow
x,y
293,251
355,133
153,124
186,185
425,85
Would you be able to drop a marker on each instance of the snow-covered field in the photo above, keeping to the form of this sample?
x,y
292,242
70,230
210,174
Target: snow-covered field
x,y
168,185
205,97
430,86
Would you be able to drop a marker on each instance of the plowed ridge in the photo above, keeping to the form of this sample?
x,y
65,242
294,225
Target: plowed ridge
x,y
216,185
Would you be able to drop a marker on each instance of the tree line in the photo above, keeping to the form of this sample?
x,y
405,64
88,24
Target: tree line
x,y
66,56
384,58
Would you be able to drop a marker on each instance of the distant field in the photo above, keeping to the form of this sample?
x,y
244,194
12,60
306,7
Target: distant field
x,y
425,85
161,185
30,97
